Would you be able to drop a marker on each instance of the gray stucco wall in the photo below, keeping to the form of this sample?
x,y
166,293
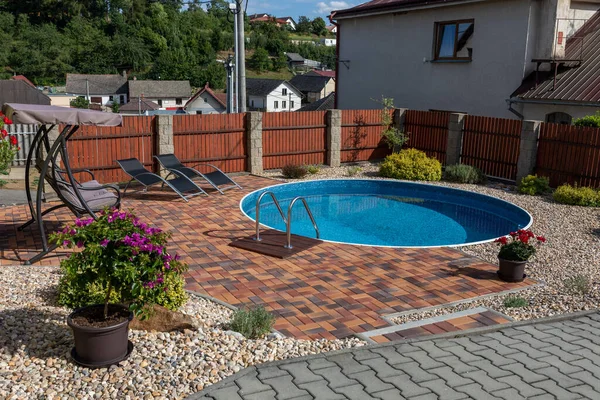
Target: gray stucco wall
x,y
387,54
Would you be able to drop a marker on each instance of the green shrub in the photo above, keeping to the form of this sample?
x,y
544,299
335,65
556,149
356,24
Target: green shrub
x,y
313,169
577,196
462,173
80,102
592,121
534,185
515,302
3,183
412,165
252,323
353,171
292,171
578,285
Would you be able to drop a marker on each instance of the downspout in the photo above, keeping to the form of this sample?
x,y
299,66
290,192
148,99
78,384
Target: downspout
x,y
337,57
512,110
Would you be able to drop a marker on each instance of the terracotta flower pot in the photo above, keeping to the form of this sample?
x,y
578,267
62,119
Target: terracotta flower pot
x,y
511,271
100,346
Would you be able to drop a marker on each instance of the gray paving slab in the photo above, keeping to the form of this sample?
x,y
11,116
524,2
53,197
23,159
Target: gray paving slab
x,y
545,359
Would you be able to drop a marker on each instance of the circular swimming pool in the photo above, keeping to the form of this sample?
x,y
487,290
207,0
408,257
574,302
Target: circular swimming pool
x,y
389,213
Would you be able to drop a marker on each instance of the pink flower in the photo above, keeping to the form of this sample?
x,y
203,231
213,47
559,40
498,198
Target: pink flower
x,y
104,242
79,244
66,243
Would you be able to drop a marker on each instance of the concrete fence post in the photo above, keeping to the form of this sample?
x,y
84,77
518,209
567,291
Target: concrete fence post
x,y
164,132
400,118
455,138
254,134
528,146
334,138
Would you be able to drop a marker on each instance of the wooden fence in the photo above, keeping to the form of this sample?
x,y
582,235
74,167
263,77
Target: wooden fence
x,y
492,145
294,138
361,136
569,154
97,148
428,132
215,139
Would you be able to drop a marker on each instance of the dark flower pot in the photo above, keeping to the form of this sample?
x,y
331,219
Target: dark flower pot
x,y
511,271
100,346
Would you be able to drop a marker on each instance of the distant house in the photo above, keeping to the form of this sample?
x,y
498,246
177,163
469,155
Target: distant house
x,y
326,103
295,60
289,21
138,106
98,89
169,95
318,72
332,28
18,91
313,87
329,42
205,101
272,95
255,16
22,78
280,21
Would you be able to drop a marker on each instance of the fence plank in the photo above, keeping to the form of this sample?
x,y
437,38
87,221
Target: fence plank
x,y
428,131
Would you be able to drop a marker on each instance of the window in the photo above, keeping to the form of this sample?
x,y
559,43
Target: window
x,y
284,104
452,40
252,103
284,92
559,118
276,105
292,104
178,101
160,103
206,99
111,98
122,99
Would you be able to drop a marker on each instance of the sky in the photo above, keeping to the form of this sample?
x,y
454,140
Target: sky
x,y
295,8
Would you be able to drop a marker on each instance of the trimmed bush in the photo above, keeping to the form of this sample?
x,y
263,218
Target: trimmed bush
x,y
252,323
292,171
534,185
412,165
313,169
353,171
591,121
462,173
577,196
515,302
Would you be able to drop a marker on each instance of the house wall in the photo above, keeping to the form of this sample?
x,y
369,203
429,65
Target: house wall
x,y
205,104
61,100
256,102
579,12
168,102
381,63
106,101
276,95
538,112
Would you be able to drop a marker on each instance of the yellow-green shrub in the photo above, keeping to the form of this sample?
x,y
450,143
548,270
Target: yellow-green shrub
x,y
534,185
577,196
412,165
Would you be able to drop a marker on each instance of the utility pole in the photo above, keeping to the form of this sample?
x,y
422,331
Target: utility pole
x,y
87,90
230,94
241,62
235,90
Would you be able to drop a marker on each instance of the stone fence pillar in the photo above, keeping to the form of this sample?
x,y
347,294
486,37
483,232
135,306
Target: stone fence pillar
x,y
455,138
255,147
334,138
164,132
528,146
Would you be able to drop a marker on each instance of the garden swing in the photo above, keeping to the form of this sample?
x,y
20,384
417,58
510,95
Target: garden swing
x,y
80,197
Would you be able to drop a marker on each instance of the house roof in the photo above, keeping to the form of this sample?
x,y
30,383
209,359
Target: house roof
x,y
575,81
330,28
136,105
295,57
310,83
22,78
98,84
160,89
206,89
264,87
254,16
390,6
330,74
326,103
19,92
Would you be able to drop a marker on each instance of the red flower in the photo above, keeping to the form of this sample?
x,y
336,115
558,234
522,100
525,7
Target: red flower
x,y
503,240
13,140
513,234
4,133
541,239
7,121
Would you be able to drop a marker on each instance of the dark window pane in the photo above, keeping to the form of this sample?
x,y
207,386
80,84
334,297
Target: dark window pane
x,y
446,40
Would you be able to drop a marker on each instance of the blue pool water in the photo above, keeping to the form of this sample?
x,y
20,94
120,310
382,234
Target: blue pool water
x,y
389,213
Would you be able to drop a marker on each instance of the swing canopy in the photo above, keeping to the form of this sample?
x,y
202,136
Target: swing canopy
x,y
54,115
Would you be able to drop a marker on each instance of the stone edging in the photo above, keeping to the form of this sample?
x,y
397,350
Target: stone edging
x,y
449,335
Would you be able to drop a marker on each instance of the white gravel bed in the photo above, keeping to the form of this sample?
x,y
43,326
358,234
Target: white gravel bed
x,y
573,248
35,345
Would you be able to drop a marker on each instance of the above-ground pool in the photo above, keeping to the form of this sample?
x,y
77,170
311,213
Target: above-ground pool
x,y
389,213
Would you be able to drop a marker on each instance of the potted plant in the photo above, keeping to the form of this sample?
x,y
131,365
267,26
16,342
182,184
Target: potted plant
x,y
8,146
124,265
514,254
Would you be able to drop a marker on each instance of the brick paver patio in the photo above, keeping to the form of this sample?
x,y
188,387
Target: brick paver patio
x,y
547,360
328,291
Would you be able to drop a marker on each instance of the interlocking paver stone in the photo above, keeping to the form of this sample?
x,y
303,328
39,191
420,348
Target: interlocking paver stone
x,y
437,368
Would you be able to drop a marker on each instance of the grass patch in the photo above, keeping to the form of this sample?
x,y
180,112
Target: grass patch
x,y
578,285
353,171
515,302
3,183
283,74
253,323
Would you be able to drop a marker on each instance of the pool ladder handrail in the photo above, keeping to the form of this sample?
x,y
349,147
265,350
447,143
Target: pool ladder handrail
x,y
288,220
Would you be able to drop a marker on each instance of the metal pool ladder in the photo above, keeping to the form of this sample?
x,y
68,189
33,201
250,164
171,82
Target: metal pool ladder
x,y
288,220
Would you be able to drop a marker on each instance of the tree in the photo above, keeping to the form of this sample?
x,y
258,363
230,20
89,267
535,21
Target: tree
x,y
318,26
260,60
304,25
280,62
80,102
